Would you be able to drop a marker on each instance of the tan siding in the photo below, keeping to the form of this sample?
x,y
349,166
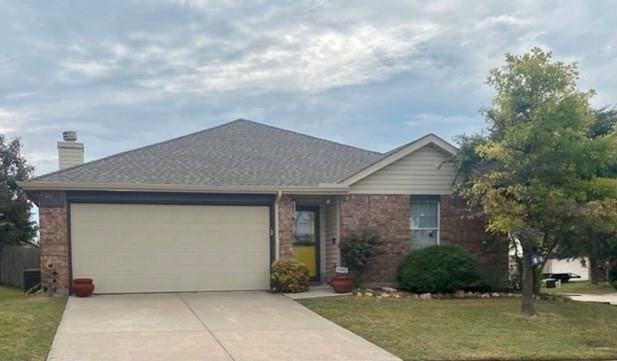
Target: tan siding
x,y
331,233
417,173
322,240
70,156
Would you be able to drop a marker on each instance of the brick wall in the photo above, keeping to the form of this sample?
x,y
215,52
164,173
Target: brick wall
x,y
54,240
285,226
458,227
388,215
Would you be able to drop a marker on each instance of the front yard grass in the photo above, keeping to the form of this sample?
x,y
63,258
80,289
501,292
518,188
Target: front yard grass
x,y
27,324
580,287
477,329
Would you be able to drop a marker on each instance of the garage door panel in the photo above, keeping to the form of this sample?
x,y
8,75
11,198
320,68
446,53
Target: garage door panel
x,y
151,261
177,282
162,248
126,238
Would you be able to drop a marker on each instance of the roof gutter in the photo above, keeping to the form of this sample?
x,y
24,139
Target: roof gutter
x,y
180,188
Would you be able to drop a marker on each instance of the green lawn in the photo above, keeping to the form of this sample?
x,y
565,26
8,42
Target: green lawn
x,y
27,324
581,287
477,329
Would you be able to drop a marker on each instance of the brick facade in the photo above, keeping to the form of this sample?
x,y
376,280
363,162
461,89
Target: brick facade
x,y
388,215
457,227
285,226
54,241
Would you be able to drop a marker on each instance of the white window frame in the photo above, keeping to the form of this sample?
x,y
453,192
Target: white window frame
x,y
438,229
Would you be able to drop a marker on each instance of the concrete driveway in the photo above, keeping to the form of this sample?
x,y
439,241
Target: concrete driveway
x,y
610,298
206,326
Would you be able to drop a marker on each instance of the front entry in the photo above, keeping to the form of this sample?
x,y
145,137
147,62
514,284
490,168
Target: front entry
x,y
306,238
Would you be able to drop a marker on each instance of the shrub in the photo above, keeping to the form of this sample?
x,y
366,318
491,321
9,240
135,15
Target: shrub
x,y
357,249
289,275
437,269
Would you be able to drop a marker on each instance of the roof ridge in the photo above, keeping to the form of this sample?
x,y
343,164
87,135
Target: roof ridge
x,y
135,149
307,135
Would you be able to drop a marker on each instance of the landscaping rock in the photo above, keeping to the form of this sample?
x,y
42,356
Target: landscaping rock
x,y
495,295
389,289
485,295
368,294
459,294
385,295
426,296
469,294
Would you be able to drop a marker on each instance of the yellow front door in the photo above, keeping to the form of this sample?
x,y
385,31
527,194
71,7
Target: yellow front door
x,y
306,238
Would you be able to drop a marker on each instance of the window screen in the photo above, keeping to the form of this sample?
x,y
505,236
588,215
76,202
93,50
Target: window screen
x,y
424,221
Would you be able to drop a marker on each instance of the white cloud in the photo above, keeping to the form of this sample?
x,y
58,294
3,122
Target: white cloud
x,y
310,59
502,20
13,120
361,71
424,118
88,69
20,95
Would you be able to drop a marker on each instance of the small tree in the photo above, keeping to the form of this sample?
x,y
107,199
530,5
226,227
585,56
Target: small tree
x,y
357,249
535,169
15,224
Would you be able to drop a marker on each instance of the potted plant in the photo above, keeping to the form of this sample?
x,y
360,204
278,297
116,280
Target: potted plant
x,y
341,283
83,287
356,250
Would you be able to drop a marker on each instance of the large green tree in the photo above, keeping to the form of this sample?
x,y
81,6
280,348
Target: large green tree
x,y
15,223
594,231
531,175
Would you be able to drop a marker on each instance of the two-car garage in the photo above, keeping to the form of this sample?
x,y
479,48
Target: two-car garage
x,y
170,247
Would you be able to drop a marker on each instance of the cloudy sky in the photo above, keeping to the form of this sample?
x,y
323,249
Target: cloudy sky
x,y
373,74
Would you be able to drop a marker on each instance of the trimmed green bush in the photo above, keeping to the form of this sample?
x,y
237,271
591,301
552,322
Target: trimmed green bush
x,y
290,276
437,269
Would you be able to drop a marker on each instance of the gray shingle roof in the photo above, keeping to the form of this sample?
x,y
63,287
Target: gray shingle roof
x,y
239,153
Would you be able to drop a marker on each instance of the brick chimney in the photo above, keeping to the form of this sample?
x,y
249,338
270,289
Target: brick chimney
x,y
70,152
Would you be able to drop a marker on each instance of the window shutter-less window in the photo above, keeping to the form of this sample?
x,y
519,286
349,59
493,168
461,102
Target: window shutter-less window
x,y
424,221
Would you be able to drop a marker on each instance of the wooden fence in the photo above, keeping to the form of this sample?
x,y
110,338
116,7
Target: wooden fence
x,y
14,260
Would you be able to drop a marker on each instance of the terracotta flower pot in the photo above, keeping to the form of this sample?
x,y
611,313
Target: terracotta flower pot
x,y
341,284
83,287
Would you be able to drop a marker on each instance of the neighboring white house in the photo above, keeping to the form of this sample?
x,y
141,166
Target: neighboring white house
x,y
573,265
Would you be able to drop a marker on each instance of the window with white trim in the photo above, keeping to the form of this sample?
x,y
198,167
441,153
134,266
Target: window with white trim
x,y
424,221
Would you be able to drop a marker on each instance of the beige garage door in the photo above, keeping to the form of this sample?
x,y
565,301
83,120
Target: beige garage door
x,y
164,248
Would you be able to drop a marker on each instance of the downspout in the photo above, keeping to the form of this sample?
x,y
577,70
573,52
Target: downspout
x,y
279,195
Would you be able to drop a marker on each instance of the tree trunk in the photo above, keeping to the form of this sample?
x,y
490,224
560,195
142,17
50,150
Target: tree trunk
x,y
527,307
596,271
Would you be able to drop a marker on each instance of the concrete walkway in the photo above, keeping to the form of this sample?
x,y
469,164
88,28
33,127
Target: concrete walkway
x,y
610,298
316,292
239,326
